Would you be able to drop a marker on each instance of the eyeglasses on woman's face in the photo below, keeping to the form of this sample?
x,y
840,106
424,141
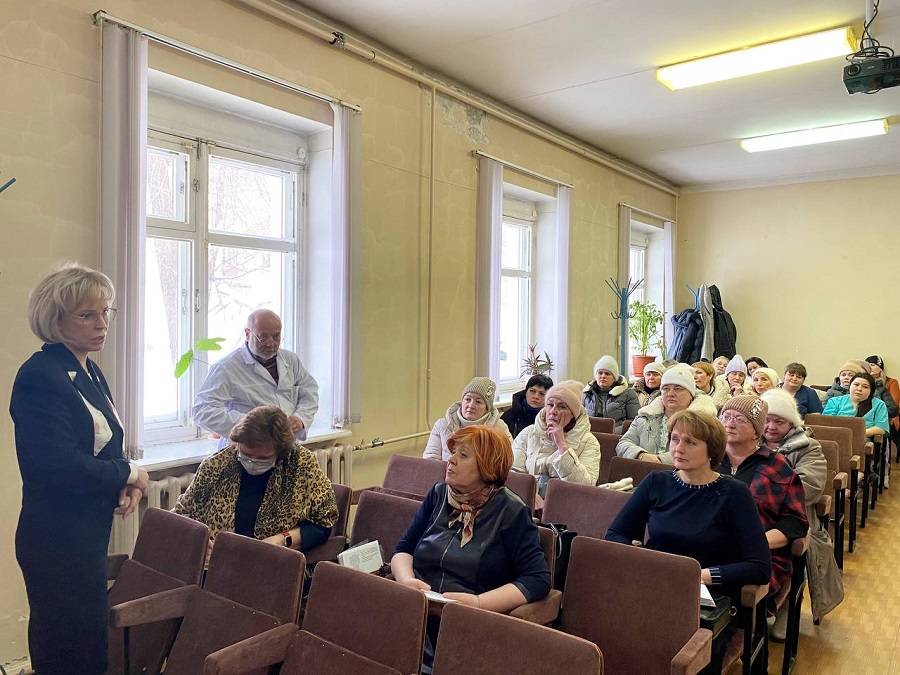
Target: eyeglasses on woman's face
x,y
90,317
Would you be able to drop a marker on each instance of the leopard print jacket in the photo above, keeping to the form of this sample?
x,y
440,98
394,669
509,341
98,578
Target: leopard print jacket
x,y
297,490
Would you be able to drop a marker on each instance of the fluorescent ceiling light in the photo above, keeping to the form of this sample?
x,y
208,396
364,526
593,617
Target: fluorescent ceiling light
x,y
759,59
838,132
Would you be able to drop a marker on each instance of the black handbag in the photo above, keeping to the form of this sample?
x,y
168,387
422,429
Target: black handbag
x,y
564,537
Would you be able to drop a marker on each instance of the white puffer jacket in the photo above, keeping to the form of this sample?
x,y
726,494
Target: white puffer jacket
x,y
436,448
648,432
536,453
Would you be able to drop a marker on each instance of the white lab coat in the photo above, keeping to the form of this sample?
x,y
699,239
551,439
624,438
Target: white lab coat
x,y
238,383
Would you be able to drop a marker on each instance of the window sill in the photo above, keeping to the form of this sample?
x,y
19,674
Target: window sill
x,y
184,453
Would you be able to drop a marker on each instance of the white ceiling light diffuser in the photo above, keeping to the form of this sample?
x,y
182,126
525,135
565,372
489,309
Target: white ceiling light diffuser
x,y
759,59
838,132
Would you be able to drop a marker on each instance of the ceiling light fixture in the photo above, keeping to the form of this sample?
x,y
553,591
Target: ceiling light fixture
x,y
838,132
759,59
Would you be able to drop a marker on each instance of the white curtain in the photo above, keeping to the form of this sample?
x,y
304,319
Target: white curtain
x,y
489,225
561,267
345,203
669,280
123,219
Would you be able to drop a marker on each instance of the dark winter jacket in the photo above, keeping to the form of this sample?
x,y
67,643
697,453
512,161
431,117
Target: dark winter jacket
x,y
836,389
725,330
520,414
620,402
687,343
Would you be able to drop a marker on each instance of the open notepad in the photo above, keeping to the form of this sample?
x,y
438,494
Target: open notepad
x,y
706,598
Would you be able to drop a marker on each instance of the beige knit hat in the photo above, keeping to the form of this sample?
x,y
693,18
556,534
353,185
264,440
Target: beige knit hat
x,y
753,408
852,366
483,387
569,392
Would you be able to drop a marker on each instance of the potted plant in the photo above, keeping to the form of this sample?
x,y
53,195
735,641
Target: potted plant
x,y
644,320
535,364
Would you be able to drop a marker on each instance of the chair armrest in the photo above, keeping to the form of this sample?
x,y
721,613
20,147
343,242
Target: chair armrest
x,y
171,604
840,480
855,463
799,546
823,506
695,655
752,595
114,565
542,612
354,496
326,551
870,448
256,652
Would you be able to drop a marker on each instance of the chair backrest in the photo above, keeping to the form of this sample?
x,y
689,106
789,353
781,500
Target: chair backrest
x,y
162,533
840,435
857,425
602,424
376,618
608,443
343,496
625,425
516,646
584,509
622,467
548,546
413,475
256,574
615,592
148,643
832,459
384,518
307,649
525,486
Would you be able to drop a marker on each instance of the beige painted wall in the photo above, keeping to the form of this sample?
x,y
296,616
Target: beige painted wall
x,y
49,118
807,271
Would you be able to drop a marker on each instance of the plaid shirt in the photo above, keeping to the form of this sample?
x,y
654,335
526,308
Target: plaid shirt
x,y
778,493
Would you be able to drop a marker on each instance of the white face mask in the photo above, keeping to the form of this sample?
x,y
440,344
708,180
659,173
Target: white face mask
x,y
255,467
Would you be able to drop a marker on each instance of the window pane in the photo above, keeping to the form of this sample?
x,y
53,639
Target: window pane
x,y
515,247
166,183
515,325
166,325
248,199
240,281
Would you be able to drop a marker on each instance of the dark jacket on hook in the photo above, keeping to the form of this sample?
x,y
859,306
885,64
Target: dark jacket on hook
x,y
687,336
725,330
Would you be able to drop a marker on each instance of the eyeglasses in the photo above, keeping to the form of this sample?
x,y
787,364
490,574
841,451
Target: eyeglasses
x,y
90,317
734,419
264,338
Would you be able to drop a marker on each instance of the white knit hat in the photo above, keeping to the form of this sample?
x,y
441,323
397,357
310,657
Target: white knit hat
x,y
607,363
682,375
768,372
654,367
736,365
783,405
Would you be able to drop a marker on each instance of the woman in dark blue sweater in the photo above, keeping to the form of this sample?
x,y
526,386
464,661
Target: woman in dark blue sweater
x,y
696,512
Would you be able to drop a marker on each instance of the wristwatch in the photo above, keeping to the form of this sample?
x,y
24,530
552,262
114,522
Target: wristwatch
x,y
288,539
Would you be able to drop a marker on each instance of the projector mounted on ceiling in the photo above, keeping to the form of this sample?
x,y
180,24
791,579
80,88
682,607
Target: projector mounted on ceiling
x,y
873,67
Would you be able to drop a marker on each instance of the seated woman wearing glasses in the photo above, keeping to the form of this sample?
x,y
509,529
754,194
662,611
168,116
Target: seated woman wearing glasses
x,y
263,485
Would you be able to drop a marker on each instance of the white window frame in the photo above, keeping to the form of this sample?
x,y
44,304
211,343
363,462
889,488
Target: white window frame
x,y
195,230
526,327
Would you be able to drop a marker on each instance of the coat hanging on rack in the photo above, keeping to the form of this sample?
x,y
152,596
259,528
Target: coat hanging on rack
x,y
725,331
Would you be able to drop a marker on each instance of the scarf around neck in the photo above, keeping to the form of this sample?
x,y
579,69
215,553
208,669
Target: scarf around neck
x,y
466,506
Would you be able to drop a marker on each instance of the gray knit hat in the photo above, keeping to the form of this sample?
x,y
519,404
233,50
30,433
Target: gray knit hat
x,y
483,387
607,363
752,407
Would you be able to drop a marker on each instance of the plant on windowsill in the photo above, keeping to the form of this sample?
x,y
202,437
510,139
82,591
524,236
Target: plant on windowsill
x,y
535,364
644,320
204,345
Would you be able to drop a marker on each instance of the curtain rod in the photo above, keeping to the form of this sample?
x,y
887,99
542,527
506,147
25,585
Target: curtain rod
x,y
102,15
522,169
666,219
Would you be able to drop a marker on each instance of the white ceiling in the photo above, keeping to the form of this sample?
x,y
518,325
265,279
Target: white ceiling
x,y
588,68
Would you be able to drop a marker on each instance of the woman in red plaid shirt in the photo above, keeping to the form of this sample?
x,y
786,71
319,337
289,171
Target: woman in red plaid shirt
x,y
776,489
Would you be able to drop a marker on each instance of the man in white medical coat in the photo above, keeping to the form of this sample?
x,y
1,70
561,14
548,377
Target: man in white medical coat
x,y
257,373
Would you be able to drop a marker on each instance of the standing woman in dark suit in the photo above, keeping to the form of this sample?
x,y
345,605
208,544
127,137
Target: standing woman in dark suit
x,y
74,475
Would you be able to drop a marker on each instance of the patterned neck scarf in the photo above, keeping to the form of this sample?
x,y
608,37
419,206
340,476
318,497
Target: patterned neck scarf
x,y
466,506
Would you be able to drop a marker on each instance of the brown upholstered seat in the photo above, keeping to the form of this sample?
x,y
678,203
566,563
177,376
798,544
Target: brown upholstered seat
x,y
516,646
384,518
850,463
602,424
152,569
337,539
615,592
622,467
608,443
413,475
834,508
625,425
584,509
525,486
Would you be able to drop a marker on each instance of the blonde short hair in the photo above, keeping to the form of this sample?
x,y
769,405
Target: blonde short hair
x,y
63,291
705,367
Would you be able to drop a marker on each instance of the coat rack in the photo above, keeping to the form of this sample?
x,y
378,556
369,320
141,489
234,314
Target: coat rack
x,y
622,294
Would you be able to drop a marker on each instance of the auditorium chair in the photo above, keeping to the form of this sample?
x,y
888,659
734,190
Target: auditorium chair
x,y
584,509
602,424
837,481
383,518
412,477
608,443
516,646
251,587
169,553
622,467
615,593
625,425
337,538
525,486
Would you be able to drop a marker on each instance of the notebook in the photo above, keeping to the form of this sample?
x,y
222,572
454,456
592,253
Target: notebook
x,y
706,598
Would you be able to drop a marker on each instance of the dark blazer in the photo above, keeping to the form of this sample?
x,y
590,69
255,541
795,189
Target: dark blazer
x,y
68,498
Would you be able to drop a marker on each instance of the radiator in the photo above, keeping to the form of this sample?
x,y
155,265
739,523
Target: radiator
x,y
161,494
337,463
